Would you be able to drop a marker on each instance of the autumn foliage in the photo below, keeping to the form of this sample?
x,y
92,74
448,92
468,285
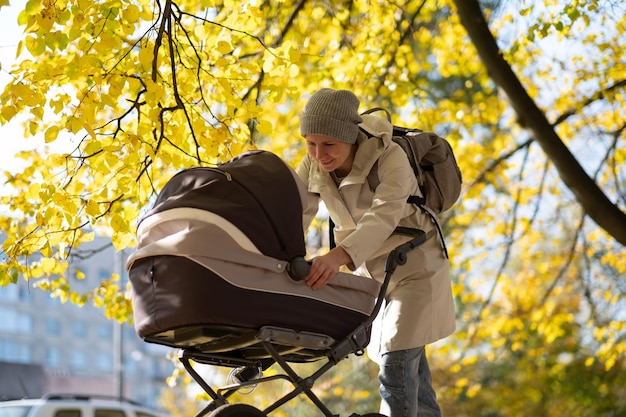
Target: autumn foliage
x,y
127,92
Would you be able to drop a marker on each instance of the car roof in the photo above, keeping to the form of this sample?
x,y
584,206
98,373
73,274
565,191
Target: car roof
x,y
77,399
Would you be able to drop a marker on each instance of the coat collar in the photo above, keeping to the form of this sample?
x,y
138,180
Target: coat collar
x,y
368,152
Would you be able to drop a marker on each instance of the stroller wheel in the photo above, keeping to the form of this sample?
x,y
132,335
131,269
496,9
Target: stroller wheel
x,y
237,410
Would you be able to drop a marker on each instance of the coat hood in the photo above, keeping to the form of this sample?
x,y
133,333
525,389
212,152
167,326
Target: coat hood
x,y
377,126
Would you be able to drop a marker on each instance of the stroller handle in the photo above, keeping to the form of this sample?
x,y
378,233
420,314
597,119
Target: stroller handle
x,y
298,268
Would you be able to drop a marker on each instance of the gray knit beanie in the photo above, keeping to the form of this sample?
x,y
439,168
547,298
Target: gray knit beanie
x,y
332,113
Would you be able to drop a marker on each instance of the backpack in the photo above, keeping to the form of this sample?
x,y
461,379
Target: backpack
x,y
434,165
433,162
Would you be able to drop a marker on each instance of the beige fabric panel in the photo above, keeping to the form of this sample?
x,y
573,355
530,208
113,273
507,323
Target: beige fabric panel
x,y
217,244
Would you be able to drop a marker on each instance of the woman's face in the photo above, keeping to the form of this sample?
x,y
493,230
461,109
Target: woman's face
x,y
331,154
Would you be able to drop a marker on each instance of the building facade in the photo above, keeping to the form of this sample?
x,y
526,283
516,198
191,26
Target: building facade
x,y
78,349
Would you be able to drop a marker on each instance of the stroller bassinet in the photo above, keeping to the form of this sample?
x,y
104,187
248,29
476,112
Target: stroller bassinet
x,y
218,270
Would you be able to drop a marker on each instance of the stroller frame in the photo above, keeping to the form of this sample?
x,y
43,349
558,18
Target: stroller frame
x,y
269,345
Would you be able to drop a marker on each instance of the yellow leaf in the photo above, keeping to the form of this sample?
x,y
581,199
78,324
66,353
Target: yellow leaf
x,y
92,147
294,71
473,390
265,127
119,224
92,208
131,13
145,56
89,130
51,134
268,62
35,45
8,112
48,265
224,47
78,299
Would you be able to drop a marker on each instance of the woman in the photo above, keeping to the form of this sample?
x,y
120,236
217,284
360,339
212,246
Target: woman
x,y
419,307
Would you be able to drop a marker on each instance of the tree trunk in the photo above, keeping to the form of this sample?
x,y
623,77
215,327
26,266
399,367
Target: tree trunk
x,y
592,199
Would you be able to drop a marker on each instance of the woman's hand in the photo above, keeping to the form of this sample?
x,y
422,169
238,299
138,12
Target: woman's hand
x,y
324,267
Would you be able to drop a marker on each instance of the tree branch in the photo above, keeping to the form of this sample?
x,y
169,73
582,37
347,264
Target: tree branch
x,y
598,96
592,199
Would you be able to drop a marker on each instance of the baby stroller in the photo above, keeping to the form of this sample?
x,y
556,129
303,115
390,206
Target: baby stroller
x,y
218,274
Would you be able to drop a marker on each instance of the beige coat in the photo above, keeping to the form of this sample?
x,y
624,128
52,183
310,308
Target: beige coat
x,y
419,307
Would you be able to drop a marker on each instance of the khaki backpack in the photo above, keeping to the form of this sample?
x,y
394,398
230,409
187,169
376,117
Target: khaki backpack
x,y
433,162
434,165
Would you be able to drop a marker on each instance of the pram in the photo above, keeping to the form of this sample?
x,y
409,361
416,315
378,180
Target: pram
x,y
218,274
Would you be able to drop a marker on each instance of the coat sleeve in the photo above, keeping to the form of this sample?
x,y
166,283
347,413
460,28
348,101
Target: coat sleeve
x,y
388,207
312,200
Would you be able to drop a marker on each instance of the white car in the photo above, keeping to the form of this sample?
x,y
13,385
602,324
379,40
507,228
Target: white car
x,y
66,405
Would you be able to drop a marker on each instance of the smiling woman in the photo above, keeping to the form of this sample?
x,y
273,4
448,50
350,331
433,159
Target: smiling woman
x,y
418,308
332,155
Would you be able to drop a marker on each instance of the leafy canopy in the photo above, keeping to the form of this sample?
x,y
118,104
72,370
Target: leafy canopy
x,y
127,92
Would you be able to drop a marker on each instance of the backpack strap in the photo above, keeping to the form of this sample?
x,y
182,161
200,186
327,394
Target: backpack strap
x,y
331,233
375,109
374,181
434,219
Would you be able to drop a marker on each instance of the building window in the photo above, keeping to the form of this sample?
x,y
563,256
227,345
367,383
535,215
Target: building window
x,y
105,331
15,322
79,329
53,327
53,301
15,352
78,360
104,362
25,295
68,413
9,293
130,365
7,324
53,357
24,323
109,413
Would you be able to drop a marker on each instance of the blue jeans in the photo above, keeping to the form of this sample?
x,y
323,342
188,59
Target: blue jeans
x,y
406,385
